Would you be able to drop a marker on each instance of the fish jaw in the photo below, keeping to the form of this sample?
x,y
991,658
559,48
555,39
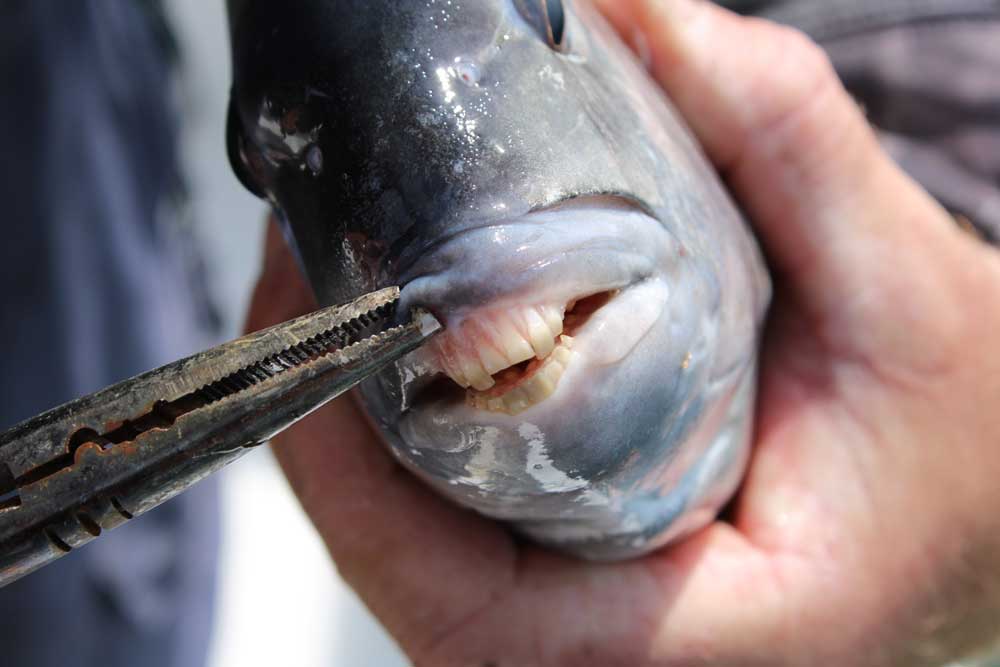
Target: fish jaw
x,y
615,375
514,296
637,443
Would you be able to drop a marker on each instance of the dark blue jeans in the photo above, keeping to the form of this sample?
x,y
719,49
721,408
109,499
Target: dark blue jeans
x,y
99,282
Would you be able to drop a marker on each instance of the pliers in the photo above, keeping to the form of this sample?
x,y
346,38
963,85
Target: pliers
x,y
74,472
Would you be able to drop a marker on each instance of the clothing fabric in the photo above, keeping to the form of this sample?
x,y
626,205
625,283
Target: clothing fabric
x,y
927,73
99,282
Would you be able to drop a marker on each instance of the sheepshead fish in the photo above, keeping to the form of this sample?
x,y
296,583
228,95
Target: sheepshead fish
x,y
511,166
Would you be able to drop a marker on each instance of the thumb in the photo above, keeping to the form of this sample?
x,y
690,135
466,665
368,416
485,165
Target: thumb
x,y
843,227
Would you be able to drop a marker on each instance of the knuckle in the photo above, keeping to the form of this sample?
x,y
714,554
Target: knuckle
x,y
806,55
805,106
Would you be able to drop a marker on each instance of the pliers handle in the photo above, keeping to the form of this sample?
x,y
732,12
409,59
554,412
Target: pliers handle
x,y
70,474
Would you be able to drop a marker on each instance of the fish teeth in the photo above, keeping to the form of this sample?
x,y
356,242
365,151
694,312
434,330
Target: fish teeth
x,y
516,402
511,342
532,391
539,387
448,360
464,368
541,336
489,342
490,357
471,362
553,316
476,374
564,352
492,360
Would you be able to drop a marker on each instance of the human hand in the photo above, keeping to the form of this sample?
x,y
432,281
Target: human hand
x,y
866,532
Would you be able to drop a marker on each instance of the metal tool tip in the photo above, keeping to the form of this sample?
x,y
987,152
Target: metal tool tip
x,y
426,322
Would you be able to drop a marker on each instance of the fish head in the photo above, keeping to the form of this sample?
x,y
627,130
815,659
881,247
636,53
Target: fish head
x,y
513,168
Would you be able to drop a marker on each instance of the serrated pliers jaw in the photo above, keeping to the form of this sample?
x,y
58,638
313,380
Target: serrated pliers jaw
x,y
74,472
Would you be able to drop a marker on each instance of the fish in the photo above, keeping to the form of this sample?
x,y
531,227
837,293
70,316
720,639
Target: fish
x,y
512,166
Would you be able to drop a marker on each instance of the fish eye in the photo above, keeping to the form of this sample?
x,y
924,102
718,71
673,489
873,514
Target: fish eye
x,y
548,17
557,22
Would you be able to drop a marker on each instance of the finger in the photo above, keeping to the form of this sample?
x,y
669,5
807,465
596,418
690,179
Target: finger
x,y
419,563
830,207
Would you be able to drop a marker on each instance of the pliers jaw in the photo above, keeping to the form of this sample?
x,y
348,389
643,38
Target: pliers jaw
x,y
74,472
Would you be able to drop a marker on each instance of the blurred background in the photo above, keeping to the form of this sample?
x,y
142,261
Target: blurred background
x,y
128,244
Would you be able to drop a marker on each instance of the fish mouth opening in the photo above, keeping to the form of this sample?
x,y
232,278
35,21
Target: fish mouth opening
x,y
528,300
511,359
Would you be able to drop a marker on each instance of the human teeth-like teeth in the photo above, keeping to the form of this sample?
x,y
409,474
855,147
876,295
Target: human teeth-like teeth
x,y
449,363
491,341
513,343
541,336
493,361
476,374
463,369
531,391
553,316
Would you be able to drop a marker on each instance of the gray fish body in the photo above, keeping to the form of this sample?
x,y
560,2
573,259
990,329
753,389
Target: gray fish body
x,y
453,148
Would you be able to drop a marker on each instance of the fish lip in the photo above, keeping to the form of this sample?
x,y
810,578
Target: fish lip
x,y
449,280
407,259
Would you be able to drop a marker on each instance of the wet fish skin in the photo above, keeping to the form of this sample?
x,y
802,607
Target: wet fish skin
x,y
448,147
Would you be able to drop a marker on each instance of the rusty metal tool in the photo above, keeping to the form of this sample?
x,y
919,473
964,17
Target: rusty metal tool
x,y
70,474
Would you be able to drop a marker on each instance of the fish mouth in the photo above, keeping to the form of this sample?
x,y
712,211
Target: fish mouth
x,y
524,302
512,359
